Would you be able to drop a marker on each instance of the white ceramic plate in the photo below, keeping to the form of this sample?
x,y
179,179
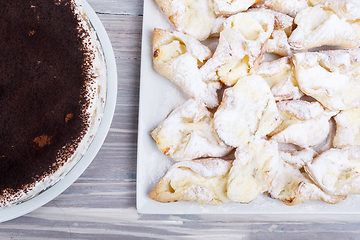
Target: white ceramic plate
x,y
49,194
158,96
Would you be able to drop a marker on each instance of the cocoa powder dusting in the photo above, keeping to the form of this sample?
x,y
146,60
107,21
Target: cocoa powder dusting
x,y
44,68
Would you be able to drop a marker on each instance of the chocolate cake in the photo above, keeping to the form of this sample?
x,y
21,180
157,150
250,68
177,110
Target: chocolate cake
x,y
51,93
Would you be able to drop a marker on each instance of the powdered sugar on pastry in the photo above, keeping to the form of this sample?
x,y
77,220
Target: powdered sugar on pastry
x,y
337,171
280,77
300,109
286,90
253,170
202,180
283,21
292,187
247,109
354,55
275,71
347,128
354,60
304,124
195,18
325,78
298,158
182,44
179,57
217,27
278,41
231,7
256,26
345,9
289,7
320,25
328,143
189,133
241,46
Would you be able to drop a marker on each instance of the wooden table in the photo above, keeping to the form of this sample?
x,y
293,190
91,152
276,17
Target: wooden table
x,y
101,204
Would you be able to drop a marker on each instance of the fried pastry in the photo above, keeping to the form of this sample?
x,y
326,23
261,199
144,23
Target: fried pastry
x,y
347,128
179,57
333,23
241,46
292,186
327,78
298,158
345,9
247,109
230,7
354,60
280,77
195,18
278,41
328,143
289,7
304,124
217,27
202,180
253,170
188,133
337,171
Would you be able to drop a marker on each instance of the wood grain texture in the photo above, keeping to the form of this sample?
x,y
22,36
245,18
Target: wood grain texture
x,y
101,203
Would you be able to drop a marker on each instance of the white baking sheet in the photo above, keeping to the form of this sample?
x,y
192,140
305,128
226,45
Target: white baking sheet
x,y
158,96
49,194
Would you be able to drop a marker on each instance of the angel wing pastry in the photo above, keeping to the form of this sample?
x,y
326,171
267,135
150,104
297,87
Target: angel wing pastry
x,y
230,7
354,60
304,124
347,128
332,23
289,7
241,46
202,180
247,109
328,78
281,79
253,170
328,143
278,41
293,186
336,171
179,57
195,18
188,133
297,158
